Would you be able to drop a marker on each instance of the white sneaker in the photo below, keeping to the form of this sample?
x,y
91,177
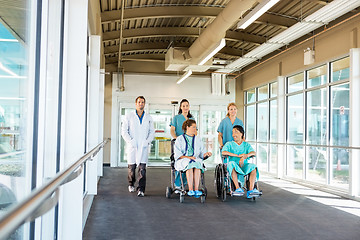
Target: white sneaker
x,y
141,194
131,189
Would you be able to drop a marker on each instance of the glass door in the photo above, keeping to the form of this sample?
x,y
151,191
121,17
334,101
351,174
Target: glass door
x,y
210,118
161,145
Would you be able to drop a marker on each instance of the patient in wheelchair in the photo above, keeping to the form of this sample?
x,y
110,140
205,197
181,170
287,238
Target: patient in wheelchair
x,y
238,166
189,153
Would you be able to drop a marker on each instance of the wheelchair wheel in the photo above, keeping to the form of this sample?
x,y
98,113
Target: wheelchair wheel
x,y
222,183
205,192
168,193
202,198
217,181
182,197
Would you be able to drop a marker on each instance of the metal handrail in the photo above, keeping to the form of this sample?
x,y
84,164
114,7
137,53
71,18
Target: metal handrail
x,y
306,145
32,205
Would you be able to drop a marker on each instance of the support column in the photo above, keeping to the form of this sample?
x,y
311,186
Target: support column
x,y
73,117
354,164
94,112
281,126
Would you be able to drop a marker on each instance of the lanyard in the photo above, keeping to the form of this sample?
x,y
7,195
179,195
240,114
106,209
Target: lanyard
x,y
186,147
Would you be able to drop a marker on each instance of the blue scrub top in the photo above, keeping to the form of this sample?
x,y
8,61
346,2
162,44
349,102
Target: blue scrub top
x,y
177,122
226,128
233,147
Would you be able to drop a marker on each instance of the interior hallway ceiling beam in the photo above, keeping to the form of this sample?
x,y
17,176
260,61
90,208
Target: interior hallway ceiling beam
x,y
179,32
143,47
187,11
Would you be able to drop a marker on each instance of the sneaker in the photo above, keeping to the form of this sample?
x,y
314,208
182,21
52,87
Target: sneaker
x,y
198,193
141,194
191,193
131,189
238,192
253,193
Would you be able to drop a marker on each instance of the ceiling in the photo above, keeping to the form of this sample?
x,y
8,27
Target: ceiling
x,y
150,27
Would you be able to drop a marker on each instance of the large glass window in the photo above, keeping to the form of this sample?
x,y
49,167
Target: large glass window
x,y
340,69
263,93
316,116
250,123
340,115
295,160
16,46
316,164
251,96
273,89
295,83
263,122
316,76
295,118
273,121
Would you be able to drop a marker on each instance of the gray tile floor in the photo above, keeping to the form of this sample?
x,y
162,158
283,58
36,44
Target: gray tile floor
x,y
278,214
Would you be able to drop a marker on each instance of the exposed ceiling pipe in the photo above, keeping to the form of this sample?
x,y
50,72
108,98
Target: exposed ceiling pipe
x,y
217,29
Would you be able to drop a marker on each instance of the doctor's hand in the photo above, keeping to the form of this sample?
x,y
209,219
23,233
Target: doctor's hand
x,y
208,154
192,157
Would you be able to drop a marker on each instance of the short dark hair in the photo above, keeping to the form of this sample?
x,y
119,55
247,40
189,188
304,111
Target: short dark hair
x,y
188,123
240,129
141,98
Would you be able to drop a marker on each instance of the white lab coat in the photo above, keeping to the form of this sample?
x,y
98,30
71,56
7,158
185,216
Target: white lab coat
x,y
179,150
138,137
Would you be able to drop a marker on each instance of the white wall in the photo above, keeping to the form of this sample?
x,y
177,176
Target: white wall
x,y
162,89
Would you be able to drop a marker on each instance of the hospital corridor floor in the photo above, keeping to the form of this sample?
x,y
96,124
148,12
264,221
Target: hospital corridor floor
x,y
279,214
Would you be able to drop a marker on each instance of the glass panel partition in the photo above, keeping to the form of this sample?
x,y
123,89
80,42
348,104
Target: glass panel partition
x,y
316,76
317,116
295,83
263,93
251,96
340,69
340,115
250,123
295,118
263,122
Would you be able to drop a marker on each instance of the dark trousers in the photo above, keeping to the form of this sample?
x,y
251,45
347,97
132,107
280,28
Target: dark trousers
x,y
141,176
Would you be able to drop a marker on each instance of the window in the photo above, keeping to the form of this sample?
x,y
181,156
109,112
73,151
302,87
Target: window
x,y
251,96
295,83
316,76
263,93
340,69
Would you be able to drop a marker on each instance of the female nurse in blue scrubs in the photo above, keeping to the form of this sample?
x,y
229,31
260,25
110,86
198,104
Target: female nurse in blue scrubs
x,y
177,122
176,129
226,125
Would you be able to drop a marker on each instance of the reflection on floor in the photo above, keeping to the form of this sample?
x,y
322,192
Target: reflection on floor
x,y
279,214
328,199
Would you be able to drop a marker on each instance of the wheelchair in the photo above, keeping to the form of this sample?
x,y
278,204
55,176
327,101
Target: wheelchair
x,y
182,190
224,185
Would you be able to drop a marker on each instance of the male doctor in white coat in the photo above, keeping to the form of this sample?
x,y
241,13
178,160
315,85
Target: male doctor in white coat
x,y
138,132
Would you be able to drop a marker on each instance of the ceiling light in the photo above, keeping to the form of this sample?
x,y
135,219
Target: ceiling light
x,y
259,10
216,49
324,15
184,76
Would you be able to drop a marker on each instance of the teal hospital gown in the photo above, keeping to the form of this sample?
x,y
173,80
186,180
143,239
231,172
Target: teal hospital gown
x,y
233,162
